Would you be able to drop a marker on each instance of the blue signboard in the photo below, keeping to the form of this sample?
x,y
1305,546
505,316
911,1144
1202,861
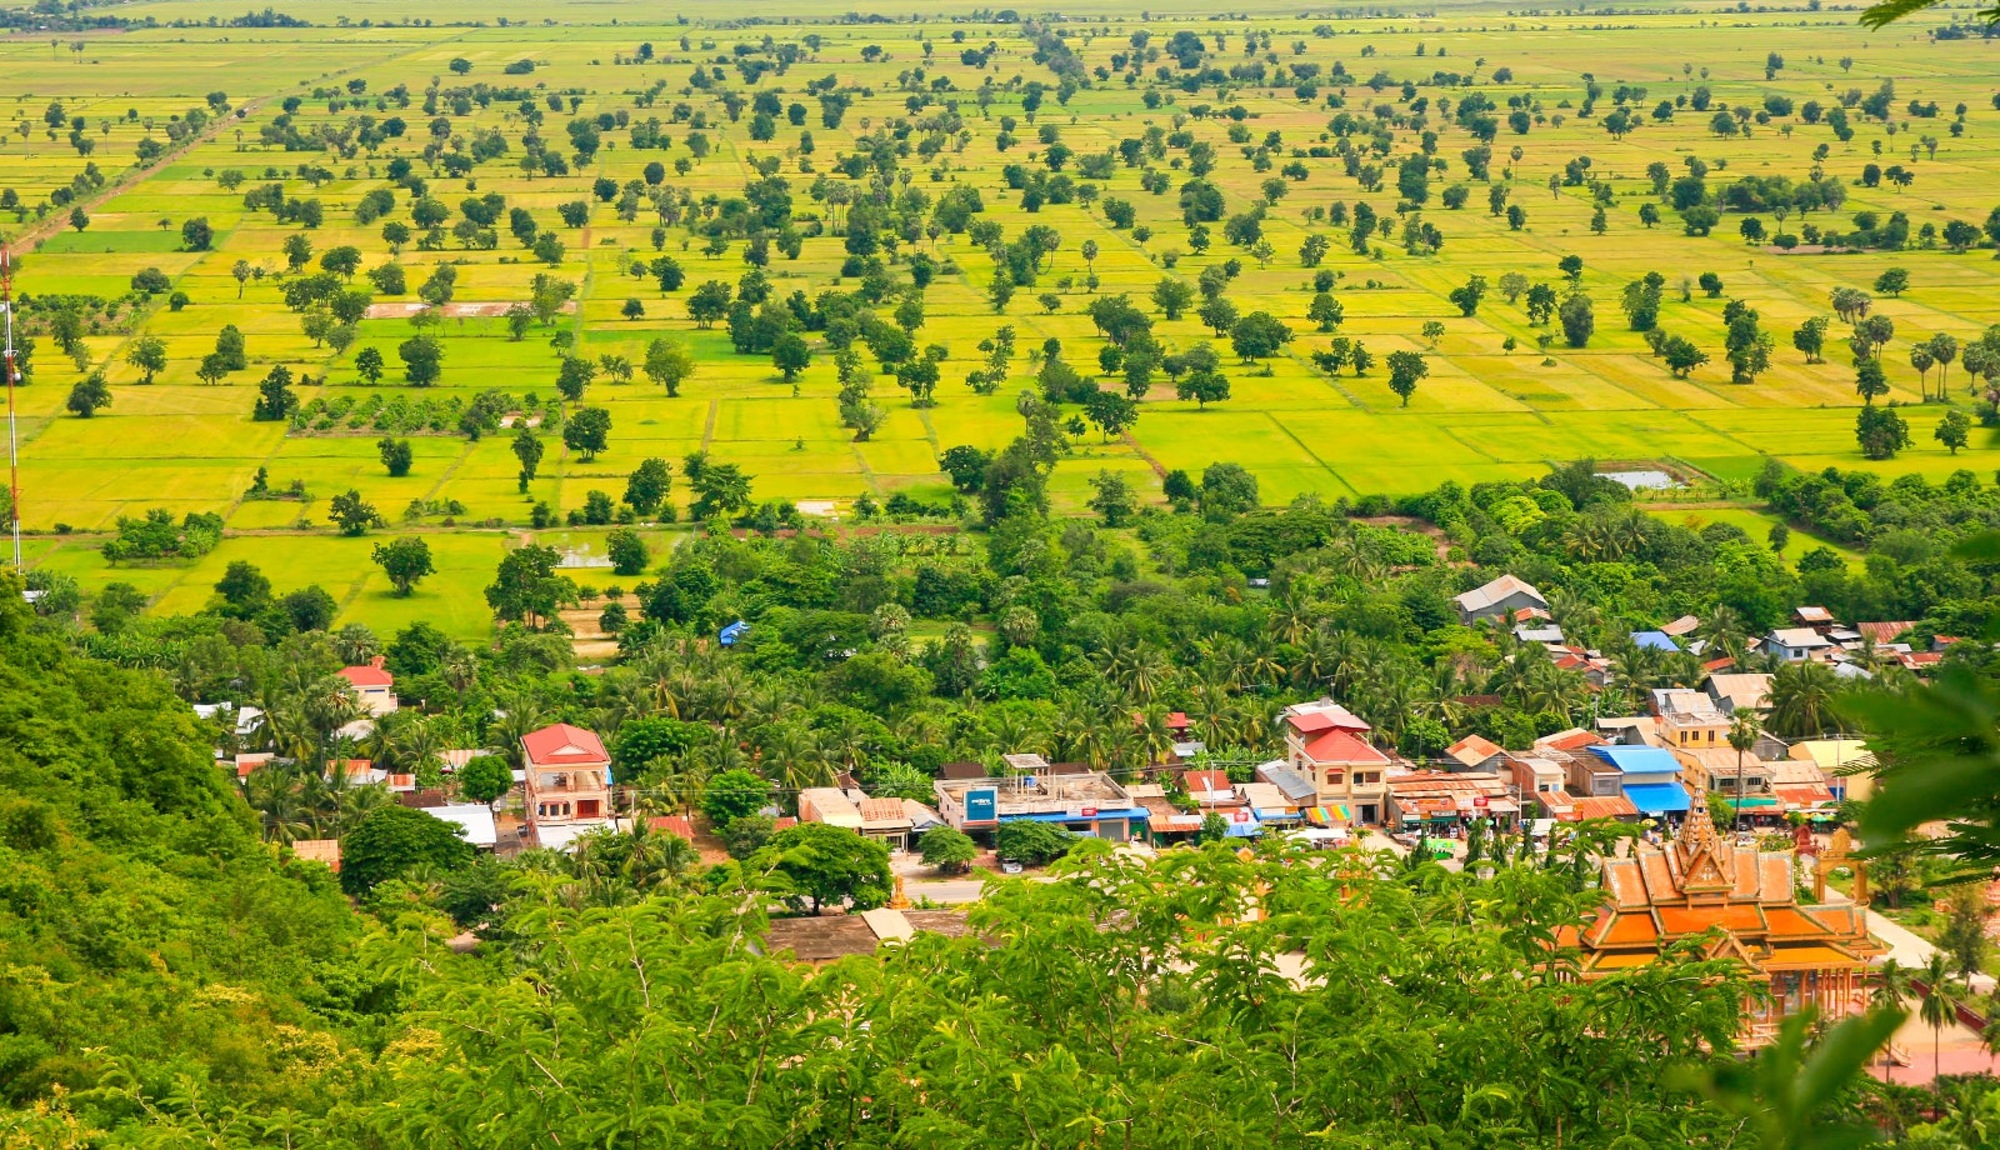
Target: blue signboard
x,y
981,806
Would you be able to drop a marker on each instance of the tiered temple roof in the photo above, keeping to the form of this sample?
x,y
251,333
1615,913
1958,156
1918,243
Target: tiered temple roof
x,y
1701,884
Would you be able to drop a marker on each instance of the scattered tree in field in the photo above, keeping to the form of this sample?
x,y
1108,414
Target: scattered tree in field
x,y
649,485
1869,380
369,365
1172,297
528,449
1405,369
1681,356
352,514
1578,319
588,432
1326,311
1258,336
790,355
90,395
423,360
668,364
148,353
1467,297
405,561
1881,432
397,455
1810,338
1746,346
1893,282
1953,430
1111,412
275,398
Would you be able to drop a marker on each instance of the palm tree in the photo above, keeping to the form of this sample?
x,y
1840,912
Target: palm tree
x,y
1802,698
1938,1007
1893,988
1742,737
273,792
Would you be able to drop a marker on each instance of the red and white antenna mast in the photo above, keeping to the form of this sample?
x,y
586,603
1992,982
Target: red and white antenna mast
x,y
13,377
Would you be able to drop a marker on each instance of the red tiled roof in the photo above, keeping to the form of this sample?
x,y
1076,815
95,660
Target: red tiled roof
x,y
1177,721
1199,782
1342,747
563,745
1473,749
367,676
1569,740
1309,722
673,824
1602,806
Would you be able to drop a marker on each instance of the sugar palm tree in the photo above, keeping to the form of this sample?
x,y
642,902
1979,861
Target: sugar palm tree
x,y
1742,737
1938,1007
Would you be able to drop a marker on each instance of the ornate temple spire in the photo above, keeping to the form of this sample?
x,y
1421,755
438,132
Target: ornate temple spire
x,y
1704,861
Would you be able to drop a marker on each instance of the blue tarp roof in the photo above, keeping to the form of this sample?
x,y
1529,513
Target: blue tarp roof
x,y
1638,760
1658,798
1655,640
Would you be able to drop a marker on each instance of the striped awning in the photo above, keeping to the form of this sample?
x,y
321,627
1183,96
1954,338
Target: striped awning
x,y
1330,815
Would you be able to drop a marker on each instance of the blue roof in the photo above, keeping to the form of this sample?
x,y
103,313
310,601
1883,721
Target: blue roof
x,y
1654,641
733,632
1658,798
1638,760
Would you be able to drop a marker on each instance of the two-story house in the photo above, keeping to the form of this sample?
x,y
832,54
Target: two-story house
x,y
1689,719
568,785
1328,744
373,685
1649,777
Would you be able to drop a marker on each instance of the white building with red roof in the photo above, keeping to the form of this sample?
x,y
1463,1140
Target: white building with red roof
x,y
1328,744
373,685
568,784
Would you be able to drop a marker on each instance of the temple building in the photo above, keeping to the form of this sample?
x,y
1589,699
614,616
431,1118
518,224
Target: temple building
x,y
1809,955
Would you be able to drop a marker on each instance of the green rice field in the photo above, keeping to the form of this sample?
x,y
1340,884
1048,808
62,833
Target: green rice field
x,y
1493,406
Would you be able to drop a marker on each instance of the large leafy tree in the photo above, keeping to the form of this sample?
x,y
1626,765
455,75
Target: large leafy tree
x,y
394,839
825,866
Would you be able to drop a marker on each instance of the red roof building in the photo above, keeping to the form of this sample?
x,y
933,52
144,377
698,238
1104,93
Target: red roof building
x,y
563,745
1808,956
1327,743
569,781
373,684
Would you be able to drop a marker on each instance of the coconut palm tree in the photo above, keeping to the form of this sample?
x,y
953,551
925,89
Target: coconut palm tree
x,y
1802,697
273,792
1938,1007
1893,990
